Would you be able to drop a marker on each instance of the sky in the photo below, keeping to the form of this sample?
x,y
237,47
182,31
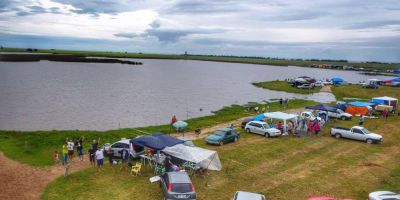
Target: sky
x,y
356,30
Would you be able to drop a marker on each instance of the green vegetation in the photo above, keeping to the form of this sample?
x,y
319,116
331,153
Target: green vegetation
x,y
285,87
356,91
36,148
233,59
280,168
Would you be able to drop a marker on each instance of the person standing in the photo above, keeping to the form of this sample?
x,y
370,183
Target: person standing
x,y
361,120
65,153
279,126
79,148
281,101
91,157
70,149
94,146
56,157
100,159
124,158
317,128
110,154
310,129
385,113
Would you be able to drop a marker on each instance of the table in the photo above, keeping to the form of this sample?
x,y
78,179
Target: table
x,y
145,159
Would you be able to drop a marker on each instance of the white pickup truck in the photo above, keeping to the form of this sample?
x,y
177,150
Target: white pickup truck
x,y
357,133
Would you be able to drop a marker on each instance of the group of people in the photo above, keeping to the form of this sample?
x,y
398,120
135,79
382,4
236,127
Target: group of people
x,y
68,149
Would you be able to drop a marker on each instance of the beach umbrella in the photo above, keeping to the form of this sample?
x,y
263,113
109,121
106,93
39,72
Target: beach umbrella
x,y
180,125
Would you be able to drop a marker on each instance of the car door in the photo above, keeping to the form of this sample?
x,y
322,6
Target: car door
x,y
358,134
164,183
116,147
228,137
252,127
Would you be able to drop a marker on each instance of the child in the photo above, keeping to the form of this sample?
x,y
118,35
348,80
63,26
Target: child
x,y
56,157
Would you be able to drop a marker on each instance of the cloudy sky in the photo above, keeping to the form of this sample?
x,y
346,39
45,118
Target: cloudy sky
x,y
359,30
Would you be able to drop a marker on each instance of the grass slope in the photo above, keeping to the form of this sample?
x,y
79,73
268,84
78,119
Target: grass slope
x,y
36,148
285,87
356,91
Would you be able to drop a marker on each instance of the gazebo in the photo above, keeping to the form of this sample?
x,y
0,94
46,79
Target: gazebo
x,y
281,116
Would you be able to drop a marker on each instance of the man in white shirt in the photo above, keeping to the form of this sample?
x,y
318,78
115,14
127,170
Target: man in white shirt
x,y
70,145
100,159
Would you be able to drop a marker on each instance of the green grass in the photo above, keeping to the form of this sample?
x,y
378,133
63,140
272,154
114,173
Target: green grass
x,y
285,87
36,148
280,168
250,60
356,91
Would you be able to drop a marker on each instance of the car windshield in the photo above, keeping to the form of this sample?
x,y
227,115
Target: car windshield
x,y
220,133
365,131
266,126
340,111
181,187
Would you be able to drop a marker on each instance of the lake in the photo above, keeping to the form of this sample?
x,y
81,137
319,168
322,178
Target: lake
x,y
91,96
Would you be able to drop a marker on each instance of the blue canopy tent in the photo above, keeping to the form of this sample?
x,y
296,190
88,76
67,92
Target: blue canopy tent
x,y
397,71
337,80
361,104
259,117
395,79
156,141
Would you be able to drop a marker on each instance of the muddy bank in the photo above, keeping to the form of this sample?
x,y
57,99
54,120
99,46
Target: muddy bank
x,y
61,58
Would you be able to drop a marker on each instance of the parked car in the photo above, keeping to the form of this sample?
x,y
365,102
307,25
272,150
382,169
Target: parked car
x,y
240,195
177,186
118,146
340,114
369,85
262,128
309,115
306,86
319,84
357,133
383,195
245,121
222,136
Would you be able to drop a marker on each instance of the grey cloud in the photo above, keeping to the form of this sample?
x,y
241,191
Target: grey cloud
x,y
301,15
127,35
372,24
205,7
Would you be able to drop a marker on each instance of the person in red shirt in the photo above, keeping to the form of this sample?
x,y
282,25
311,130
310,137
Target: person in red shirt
x,y
310,128
279,126
317,128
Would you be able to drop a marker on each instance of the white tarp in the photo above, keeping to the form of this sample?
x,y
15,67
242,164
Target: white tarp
x,y
205,158
280,115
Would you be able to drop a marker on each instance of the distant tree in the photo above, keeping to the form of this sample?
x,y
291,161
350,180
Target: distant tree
x,y
29,49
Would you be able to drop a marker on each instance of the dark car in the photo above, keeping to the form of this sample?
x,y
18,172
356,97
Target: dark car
x,y
177,185
222,136
245,121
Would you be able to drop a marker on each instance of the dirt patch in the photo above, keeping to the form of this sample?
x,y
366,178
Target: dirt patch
x,y
326,88
20,181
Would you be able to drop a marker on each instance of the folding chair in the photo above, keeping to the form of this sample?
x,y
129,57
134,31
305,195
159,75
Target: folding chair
x,y
136,169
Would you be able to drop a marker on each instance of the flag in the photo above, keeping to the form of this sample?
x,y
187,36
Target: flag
x,y
173,120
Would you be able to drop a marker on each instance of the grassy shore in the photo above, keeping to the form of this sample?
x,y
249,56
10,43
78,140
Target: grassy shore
x,y
36,148
285,87
250,60
356,91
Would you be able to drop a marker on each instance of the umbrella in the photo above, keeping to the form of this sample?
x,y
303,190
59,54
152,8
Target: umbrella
x,y
180,125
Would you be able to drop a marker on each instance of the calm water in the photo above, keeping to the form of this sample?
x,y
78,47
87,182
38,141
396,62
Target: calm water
x,y
57,95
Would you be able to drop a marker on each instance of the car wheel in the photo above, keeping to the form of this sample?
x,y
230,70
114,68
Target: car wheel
x,y
221,143
267,135
248,130
235,140
369,141
337,135
343,118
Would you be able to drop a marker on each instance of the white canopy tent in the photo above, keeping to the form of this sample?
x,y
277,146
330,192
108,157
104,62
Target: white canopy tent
x,y
282,116
205,158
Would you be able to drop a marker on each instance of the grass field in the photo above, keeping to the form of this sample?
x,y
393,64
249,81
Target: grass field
x,y
285,87
280,168
261,61
36,148
356,91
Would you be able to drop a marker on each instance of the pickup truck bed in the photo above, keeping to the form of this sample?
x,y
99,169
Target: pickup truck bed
x,y
341,128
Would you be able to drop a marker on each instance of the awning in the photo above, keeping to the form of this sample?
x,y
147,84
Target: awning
x,y
205,158
280,115
156,141
361,104
323,107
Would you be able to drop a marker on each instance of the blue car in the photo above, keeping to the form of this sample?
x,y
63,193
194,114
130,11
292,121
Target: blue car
x,y
222,136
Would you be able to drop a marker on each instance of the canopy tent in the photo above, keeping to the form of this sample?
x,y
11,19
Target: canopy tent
x,y
337,80
390,101
358,108
205,158
259,117
282,116
397,71
323,107
156,141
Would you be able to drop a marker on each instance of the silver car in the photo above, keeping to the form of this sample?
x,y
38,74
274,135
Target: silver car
x,y
240,195
177,186
383,195
124,144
